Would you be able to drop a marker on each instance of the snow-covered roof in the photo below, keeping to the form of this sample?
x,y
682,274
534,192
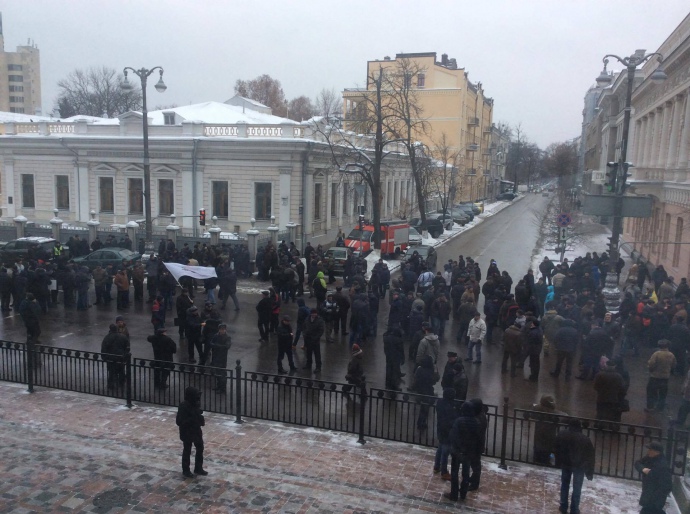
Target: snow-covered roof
x,y
9,117
217,112
247,100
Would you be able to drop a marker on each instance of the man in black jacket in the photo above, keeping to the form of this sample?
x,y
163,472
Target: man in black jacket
x,y
565,341
314,327
656,479
264,308
575,456
190,419
115,346
163,350
465,444
446,414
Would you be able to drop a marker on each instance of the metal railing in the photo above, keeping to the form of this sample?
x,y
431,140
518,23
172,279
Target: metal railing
x,y
377,413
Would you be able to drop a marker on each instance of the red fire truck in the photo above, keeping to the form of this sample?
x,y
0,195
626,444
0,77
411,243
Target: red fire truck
x,y
394,237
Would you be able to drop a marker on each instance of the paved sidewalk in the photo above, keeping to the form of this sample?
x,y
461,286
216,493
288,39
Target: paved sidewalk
x,y
66,452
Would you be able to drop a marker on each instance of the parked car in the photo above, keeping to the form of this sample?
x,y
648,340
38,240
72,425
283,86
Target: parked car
x,y
479,205
110,255
426,252
27,248
506,196
459,216
337,255
415,237
433,226
467,209
445,219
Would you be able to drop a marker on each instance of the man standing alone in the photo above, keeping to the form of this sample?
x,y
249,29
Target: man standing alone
x,y
660,366
575,456
475,334
656,479
190,419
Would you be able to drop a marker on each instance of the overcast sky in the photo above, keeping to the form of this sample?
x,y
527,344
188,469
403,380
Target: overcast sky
x,y
535,58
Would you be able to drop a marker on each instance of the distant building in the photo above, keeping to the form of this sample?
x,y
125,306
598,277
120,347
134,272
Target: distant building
x,y
248,103
658,148
452,105
235,162
20,78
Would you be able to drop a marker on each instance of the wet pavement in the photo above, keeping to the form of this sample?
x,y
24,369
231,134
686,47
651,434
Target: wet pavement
x,y
66,452
509,236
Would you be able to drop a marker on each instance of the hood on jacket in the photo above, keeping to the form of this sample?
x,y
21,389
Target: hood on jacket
x,y
548,401
431,337
478,405
467,410
320,274
192,395
550,289
427,362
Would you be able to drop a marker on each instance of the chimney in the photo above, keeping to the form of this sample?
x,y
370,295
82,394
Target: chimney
x,y
453,64
387,58
444,59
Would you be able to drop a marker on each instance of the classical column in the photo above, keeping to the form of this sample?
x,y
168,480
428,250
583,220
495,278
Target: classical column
x,y
285,200
634,150
83,191
672,158
649,139
642,142
684,150
656,138
8,176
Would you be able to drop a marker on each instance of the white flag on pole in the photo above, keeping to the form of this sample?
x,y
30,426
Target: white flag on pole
x,y
182,270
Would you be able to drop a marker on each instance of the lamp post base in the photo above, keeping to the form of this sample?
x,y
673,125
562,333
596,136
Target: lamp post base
x,y
612,293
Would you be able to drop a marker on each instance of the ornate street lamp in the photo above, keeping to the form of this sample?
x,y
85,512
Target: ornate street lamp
x,y
611,289
160,86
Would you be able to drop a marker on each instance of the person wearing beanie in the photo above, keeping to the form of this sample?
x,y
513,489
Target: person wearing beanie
x,y
545,428
446,413
355,368
657,480
574,453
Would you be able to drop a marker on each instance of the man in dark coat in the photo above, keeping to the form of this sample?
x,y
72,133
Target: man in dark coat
x,y
465,441
193,333
114,347
264,308
610,389
285,335
314,327
190,419
534,338
219,346
340,323
163,350
395,356
512,349
574,454
656,479
565,340
395,314
446,414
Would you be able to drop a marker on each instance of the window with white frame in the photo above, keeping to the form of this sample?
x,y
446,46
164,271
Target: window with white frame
x,y
106,194
28,198
62,192
219,204
168,118
262,200
135,195
317,201
166,197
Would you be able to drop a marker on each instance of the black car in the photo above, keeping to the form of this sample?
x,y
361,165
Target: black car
x,y
506,196
433,226
27,248
105,256
427,253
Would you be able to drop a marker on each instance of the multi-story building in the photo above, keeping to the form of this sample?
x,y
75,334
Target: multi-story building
x,y
658,148
237,163
451,104
20,78
496,178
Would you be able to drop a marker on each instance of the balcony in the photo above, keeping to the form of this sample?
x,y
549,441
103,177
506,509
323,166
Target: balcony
x,y
473,122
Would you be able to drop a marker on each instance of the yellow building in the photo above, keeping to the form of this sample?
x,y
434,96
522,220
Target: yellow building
x,y
20,78
450,104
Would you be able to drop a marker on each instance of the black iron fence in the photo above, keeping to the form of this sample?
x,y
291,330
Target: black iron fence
x,y
511,434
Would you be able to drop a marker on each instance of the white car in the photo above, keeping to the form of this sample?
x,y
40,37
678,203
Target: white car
x,y
415,238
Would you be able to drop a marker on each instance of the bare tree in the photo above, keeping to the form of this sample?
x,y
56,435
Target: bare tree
x,y
363,156
328,103
95,92
442,173
264,89
300,109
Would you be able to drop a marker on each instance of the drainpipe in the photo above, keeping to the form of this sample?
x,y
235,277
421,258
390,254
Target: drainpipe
x,y
195,147
305,164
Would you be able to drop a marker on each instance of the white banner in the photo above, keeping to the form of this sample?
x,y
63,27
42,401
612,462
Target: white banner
x,y
182,270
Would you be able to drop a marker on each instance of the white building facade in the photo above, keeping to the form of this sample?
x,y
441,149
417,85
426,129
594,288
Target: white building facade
x,y
235,164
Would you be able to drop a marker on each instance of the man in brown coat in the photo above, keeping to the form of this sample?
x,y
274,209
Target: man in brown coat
x,y
121,281
660,366
512,348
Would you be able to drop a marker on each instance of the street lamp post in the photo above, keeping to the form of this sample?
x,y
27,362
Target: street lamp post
x,y
611,289
160,86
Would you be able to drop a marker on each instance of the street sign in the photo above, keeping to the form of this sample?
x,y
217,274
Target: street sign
x,y
562,234
563,219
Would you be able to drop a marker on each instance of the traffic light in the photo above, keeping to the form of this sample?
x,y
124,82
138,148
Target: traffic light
x,y
202,217
611,176
624,178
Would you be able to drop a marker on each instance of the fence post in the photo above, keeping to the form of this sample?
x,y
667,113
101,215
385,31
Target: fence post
x,y
128,379
504,435
362,400
238,392
670,435
30,364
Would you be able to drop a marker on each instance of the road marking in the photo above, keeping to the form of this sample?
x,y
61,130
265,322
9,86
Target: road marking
x,y
65,335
